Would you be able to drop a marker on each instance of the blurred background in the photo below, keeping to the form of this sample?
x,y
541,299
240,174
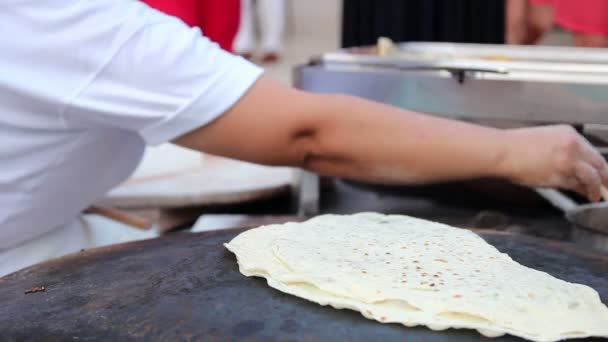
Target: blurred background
x,y
281,33
317,26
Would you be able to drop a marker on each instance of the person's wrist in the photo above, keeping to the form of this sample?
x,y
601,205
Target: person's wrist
x,y
509,155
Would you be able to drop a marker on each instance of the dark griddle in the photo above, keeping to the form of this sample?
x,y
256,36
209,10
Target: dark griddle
x,y
187,287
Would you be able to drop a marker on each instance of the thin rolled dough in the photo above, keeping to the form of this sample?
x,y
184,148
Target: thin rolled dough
x,y
399,269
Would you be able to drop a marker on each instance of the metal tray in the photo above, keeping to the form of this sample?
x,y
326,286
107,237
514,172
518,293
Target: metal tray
x,y
497,61
553,54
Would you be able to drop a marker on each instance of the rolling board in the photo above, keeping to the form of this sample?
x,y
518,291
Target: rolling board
x,y
187,287
174,177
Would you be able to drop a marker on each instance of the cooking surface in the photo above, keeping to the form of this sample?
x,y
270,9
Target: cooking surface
x,y
187,286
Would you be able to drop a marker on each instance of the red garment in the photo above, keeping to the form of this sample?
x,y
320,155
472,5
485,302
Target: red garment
x,y
580,16
218,19
583,16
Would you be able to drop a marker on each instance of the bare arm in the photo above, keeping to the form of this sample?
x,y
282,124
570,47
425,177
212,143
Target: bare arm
x,y
348,137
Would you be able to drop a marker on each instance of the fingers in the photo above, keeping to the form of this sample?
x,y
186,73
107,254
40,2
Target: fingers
x,y
591,169
589,179
594,158
572,183
573,162
604,175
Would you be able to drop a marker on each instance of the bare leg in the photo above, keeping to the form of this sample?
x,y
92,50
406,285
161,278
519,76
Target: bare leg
x,y
245,38
540,20
515,22
272,20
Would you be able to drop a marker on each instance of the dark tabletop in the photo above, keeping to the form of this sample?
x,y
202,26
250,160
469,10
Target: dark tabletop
x,y
187,287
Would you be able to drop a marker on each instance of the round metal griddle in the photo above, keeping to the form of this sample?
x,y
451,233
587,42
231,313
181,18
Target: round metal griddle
x,y
187,287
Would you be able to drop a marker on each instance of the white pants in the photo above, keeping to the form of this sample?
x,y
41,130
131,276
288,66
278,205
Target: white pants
x,y
271,15
86,232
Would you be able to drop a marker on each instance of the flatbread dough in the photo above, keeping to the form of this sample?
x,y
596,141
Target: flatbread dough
x,y
399,269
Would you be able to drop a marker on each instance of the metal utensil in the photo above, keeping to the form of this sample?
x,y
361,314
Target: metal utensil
x,y
592,216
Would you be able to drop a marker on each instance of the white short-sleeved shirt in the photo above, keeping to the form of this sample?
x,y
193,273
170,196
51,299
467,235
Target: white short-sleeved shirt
x,y
85,85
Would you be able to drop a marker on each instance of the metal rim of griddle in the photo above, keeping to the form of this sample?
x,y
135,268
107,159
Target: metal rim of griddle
x,y
523,52
563,64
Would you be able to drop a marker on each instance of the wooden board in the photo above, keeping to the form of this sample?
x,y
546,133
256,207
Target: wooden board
x,y
173,177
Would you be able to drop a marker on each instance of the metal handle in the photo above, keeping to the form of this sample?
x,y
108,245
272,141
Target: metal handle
x,y
557,199
308,194
459,68
383,63
437,67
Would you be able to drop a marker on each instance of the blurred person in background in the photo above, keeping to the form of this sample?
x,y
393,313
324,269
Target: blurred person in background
x,y
271,19
218,19
529,20
462,21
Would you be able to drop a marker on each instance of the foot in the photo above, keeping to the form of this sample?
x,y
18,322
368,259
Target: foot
x,y
247,55
270,57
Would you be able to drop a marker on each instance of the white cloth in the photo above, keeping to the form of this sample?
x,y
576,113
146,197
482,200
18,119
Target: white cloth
x,y
271,15
89,231
84,86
